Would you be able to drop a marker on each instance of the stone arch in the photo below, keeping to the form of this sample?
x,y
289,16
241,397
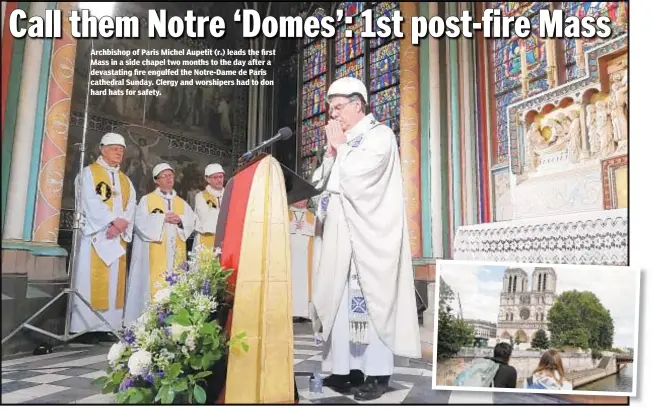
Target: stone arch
x,y
521,336
505,335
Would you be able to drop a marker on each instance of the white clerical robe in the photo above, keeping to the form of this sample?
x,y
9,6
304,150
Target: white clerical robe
x,y
302,231
364,243
97,218
207,210
151,227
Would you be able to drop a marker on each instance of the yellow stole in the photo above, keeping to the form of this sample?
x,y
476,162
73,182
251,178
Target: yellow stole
x,y
159,250
207,240
99,270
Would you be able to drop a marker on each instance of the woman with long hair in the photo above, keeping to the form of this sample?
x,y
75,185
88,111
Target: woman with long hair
x,y
549,374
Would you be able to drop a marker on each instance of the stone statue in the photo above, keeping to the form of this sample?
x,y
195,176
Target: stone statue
x,y
534,139
559,124
619,109
574,143
604,128
593,135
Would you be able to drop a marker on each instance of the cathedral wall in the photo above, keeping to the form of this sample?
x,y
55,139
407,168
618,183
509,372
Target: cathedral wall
x,y
187,126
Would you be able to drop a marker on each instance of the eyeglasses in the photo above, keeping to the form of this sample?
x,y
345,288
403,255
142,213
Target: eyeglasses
x,y
339,107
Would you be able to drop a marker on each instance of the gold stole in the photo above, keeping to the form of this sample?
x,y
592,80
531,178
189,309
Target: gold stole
x,y
158,250
99,270
207,240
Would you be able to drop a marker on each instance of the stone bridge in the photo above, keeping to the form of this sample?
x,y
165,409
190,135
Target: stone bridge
x,y
624,358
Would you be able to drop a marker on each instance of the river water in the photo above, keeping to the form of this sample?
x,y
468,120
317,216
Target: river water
x,y
622,382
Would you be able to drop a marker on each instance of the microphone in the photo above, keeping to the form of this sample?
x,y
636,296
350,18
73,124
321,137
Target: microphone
x,y
283,134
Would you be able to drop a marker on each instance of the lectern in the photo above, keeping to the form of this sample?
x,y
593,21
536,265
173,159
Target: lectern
x,y
253,235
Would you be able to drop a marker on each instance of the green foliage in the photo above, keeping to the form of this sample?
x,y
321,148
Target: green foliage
x,y
167,354
579,319
446,293
540,340
453,333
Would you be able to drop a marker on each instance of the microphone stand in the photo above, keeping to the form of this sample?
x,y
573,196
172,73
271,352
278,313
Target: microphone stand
x,y
70,290
252,153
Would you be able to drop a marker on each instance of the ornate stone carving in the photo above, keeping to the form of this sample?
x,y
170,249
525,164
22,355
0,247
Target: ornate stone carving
x,y
604,129
618,105
574,144
590,120
588,62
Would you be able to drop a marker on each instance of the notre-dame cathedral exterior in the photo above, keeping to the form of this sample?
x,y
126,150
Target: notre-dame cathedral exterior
x,y
524,309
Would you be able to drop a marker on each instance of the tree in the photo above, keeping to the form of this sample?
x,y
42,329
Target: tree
x,y
453,333
579,319
446,293
540,340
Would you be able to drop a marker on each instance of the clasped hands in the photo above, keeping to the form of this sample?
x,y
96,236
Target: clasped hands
x,y
335,136
172,218
118,226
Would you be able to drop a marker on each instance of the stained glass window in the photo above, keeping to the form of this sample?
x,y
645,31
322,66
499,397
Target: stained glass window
x,y
350,50
384,73
383,8
313,93
374,61
507,68
581,9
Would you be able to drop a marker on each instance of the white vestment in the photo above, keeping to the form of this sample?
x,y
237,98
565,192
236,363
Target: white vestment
x,y
150,227
96,219
302,230
207,216
363,234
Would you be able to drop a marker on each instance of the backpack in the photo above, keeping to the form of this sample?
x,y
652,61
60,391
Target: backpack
x,y
534,386
479,374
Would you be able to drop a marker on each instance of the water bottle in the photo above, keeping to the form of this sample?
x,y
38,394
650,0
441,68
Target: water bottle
x,y
315,383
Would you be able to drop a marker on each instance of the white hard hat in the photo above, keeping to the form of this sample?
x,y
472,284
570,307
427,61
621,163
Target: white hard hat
x,y
213,169
159,168
347,86
111,138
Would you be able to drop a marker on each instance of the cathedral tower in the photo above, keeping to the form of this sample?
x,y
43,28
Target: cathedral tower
x,y
523,309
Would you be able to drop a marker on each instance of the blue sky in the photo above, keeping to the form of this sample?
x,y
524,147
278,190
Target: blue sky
x,y
479,287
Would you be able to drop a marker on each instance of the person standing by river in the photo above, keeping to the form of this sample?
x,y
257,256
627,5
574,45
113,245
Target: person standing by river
x,y
549,374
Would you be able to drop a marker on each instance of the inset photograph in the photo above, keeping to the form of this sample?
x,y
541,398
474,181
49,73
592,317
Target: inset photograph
x,y
536,328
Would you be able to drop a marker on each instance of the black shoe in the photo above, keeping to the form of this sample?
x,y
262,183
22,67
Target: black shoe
x,y
343,383
373,388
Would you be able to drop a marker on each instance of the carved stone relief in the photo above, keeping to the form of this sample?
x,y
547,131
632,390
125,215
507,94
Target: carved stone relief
x,y
584,127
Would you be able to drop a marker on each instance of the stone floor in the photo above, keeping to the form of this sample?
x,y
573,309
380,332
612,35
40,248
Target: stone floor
x,y
65,377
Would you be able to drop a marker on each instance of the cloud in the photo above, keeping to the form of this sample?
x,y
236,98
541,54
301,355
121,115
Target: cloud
x,y
479,300
479,287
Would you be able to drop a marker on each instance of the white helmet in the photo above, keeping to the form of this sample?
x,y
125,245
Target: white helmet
x,y
213,169
159,168
111,138
346,87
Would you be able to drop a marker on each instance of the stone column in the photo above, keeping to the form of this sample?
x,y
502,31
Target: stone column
x,y
435,120
55,141
24,135
409,126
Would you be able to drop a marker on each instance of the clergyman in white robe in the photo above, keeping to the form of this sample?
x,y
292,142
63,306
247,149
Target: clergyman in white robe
x,y
207,206
363,291
151,227
97,218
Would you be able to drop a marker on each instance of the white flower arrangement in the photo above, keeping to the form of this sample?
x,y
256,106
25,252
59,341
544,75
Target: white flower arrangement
x,y
166,354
